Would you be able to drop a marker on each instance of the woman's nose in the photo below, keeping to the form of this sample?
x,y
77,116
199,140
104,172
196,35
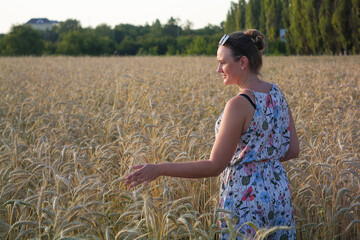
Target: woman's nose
x,y
219,69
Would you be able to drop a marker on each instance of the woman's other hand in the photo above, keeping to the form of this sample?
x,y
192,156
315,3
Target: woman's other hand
x,y
145,174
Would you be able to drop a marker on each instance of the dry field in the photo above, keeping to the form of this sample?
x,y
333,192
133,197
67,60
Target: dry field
x,y
71,128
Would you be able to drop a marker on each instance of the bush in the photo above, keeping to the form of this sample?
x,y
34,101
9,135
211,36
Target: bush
x,y
277,47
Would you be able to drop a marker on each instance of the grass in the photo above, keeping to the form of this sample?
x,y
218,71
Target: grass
x,y
71,128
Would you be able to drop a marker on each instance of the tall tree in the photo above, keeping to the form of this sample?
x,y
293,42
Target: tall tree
x,y
262,17
241,15
340,21
273,18
355,25
235,18
325,27
253,9
311,28
296,31
171,28
156,28
187,27
230,23
285,21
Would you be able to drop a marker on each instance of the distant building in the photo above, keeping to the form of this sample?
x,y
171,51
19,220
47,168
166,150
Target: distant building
x,y
42,23
283,34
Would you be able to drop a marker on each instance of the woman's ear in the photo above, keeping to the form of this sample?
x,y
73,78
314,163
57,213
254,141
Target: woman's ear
x,y
244,62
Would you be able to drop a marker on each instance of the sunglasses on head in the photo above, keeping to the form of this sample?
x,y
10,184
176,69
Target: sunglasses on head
x,y
223,39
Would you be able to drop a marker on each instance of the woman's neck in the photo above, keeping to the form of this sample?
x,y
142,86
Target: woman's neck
x,y
249,82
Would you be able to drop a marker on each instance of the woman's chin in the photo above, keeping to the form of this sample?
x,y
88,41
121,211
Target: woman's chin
x,y
226,82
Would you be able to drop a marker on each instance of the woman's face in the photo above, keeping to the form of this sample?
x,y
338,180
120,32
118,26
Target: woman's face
x,y
231,71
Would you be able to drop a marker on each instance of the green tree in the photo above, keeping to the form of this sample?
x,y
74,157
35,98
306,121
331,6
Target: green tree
x,y
123,30
22,40
156,28
187,27
230,23
235,18
172,28
253,11
311,27
104,30
183,43
241,15
273,9
340,21
354,22
84,42
208,30
326,29
67,26
128,46
262,18
296,32
285,21
72,43
197,46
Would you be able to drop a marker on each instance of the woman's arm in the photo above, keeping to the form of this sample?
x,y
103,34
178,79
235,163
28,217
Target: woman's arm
x,y
235,113
294,149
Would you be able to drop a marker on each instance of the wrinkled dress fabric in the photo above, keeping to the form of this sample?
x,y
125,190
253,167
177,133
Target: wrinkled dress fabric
x,y
254,186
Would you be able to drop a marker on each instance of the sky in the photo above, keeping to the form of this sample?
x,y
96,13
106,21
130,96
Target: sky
x,y
113,12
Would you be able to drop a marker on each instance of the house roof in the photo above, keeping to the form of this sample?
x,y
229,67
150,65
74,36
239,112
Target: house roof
x,y
40,21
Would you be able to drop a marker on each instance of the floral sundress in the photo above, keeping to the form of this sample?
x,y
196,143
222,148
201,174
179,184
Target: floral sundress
x,y
254,186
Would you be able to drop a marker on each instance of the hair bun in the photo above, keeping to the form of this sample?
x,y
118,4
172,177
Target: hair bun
x,y
257,38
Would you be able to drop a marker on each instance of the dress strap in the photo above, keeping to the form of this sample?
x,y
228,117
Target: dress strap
x,y
249,99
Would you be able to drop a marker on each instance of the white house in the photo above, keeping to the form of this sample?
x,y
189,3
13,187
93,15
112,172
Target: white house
x,y
41,23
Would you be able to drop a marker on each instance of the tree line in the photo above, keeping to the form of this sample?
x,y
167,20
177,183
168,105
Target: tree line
x,y
70,38
312,26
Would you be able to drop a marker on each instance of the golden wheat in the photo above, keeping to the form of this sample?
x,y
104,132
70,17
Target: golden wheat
x,y
72,128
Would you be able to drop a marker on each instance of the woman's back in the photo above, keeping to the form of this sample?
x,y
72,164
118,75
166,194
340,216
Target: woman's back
x,y
254,186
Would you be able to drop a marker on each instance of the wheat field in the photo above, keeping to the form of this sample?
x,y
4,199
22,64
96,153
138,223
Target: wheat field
x,y
71,128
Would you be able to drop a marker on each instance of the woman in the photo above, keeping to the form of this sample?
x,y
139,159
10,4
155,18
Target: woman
x,y
254,134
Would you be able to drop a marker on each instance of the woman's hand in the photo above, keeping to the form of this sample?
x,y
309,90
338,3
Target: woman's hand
x,y
145,174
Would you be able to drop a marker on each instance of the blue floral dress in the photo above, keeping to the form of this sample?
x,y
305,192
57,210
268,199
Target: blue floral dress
x,y
254,186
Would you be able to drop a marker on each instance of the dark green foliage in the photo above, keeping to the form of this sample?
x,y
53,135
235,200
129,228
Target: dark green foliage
x,y
171,28
252,14
262,17
104,30
341,24
68,26
123,30
69,38
273,18
241,15
354,22
84,42
313,26
296,37
22,40
277,47
325,27
235,19
285,14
